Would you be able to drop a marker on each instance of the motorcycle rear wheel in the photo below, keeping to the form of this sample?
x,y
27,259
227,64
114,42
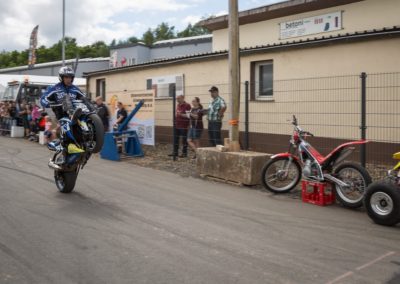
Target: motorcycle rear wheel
x,y
65,181
382,202
359,179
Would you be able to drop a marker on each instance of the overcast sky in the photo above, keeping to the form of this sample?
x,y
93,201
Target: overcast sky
x,y
92,20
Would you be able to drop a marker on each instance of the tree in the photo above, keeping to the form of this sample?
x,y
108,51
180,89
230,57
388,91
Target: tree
x,y
164,31
193,30
98,49
148,37
113,43
133,39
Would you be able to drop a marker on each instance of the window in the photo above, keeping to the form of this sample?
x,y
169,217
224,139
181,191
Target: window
x,y
30,93
262,80
101,88
149,84
132,61
10,93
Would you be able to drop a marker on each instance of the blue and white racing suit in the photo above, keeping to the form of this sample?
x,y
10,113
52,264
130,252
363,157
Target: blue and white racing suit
x,y
55,96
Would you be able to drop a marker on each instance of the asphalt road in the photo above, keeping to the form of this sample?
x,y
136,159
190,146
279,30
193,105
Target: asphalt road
x,y
126,224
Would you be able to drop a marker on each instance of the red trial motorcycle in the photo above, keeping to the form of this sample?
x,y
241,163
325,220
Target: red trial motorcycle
x,y
283,171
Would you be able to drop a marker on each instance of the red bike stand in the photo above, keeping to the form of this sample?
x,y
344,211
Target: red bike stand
x,y
318,193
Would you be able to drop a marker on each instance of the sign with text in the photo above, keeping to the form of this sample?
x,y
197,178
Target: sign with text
x,y
313,25
166,86
143,122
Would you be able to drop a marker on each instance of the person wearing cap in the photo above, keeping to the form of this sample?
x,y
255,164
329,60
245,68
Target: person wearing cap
x,y
215,114
182,126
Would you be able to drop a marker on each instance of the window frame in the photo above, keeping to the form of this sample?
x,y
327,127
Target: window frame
x,y
254,78
100,90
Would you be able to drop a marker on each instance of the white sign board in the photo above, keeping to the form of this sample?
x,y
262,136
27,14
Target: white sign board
x,y
143,121
313,25
164,85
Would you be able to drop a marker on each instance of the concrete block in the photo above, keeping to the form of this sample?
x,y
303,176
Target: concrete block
x,y
17,132
42,138
241,167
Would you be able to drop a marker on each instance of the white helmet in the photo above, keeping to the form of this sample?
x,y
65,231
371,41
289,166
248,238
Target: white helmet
x,y
66,71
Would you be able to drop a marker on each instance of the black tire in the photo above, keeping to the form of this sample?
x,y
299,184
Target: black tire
x,y
382,202
98,132
65,181
287,188
340,193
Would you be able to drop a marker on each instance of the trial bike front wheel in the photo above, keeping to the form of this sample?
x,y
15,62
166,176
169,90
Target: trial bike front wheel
x,y
281,174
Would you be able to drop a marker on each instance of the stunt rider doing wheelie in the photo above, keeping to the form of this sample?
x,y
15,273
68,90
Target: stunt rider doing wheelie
x,y
55,97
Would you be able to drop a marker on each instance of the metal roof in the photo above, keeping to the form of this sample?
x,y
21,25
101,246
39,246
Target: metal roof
x,y
55,63
168,42
127,45
316,41
273,11
184,40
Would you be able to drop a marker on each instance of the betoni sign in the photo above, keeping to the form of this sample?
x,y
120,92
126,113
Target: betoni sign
x,y
313,25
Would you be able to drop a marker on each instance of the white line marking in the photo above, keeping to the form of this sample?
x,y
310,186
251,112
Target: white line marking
x,y
375,260
349,273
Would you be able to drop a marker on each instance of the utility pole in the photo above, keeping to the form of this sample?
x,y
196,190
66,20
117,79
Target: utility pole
x,y
63,32
234,75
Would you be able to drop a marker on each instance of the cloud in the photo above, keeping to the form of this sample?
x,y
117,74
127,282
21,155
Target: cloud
x,y
88,20
221,13
191,19
92,20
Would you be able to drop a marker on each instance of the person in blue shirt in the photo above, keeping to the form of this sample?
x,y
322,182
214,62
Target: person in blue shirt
x,y
54,98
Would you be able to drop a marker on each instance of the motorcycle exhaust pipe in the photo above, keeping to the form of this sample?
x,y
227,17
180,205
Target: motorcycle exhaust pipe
x,y
335,180
54,166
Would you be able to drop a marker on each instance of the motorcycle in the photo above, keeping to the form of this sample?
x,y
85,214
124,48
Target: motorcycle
x,y
88,133
382,198
283,171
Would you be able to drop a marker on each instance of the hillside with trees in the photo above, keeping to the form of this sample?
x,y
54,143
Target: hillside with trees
x,y
98,49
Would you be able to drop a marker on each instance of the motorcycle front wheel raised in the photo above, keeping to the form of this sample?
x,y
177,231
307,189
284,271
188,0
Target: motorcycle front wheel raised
x,y
281,175
358,179
65,181
382,202
98,129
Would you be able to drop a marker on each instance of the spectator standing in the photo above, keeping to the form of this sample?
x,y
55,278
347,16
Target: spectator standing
x,y
216,110
181,126
121,115
4,118
35,116
196,125
25,115
103,113
35,112
13,111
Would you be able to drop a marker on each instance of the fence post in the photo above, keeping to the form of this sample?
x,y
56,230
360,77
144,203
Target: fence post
x,y
174,125
246,115
363,127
